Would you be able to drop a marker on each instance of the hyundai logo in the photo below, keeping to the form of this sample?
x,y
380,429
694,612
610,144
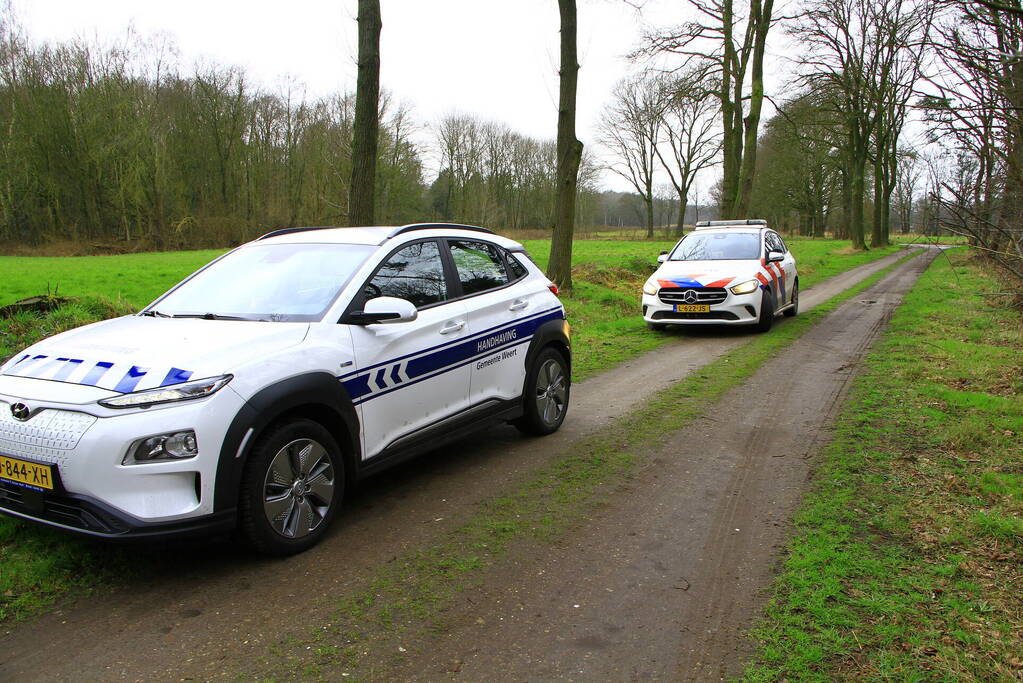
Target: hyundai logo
x,y
20,411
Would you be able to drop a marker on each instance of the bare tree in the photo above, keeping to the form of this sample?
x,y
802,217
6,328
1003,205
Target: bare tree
x,y
570,151
630,128
690,133
735,65
975,112
362,190
857,50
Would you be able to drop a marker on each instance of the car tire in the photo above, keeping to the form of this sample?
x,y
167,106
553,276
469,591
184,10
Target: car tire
x,y
793,310
291,488
546,394
656,327
766,319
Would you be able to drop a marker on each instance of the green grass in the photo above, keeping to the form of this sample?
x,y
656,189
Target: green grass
x,y
39,564
906,560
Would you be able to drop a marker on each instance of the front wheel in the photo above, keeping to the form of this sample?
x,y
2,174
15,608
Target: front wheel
x,y
793,310
291,489
546,394
766,319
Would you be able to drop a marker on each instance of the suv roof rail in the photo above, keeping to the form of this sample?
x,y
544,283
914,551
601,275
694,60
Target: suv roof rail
x,y
741,221
429,226
288,231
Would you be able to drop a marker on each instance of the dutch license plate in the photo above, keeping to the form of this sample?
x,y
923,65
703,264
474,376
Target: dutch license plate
x,y
23,472
692,308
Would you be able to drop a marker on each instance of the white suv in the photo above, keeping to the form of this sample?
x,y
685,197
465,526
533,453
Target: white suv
x,y
254,391
723,273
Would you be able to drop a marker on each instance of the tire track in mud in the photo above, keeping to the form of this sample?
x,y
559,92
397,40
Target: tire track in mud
x,y
663,581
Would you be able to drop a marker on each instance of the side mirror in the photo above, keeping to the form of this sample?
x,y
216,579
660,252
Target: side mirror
x,y
774,256
384,309
663,257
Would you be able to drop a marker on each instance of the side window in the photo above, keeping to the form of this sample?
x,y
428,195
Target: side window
x,y
781,243
516,269
774,242
414,273
480,265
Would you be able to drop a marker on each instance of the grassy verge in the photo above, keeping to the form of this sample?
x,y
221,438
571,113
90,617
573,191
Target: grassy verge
x,y
406,599
906,564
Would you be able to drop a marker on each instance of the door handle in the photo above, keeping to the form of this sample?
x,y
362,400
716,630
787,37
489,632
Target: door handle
x,y
518,305
452,326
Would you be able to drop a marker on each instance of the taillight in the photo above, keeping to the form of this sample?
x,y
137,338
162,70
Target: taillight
x,y
554,288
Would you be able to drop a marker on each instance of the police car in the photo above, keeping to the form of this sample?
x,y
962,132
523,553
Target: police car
x,y
735,272
252,393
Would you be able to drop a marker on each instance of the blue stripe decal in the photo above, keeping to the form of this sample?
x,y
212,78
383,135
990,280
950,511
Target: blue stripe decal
x,y
549,314
176,376
685,282
49,366
443,358
70,365
130,380
96,374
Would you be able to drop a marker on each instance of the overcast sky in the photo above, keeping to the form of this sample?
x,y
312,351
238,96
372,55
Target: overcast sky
x,y
497,60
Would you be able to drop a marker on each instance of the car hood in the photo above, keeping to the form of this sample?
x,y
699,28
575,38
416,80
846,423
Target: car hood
x,y
706,273
134,353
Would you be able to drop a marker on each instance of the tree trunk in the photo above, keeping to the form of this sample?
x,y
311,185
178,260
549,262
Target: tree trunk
x,y
361,194
857,148
570,152
761,17
683,200
876,233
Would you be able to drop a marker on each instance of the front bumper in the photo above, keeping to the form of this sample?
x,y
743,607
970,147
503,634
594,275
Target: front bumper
x,y
83,515
736,309
94,493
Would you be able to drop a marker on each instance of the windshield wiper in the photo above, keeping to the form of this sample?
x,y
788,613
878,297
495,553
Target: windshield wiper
x,y
153,313
209,316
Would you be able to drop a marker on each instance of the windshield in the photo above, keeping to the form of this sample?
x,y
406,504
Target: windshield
x,y
268,282
717,246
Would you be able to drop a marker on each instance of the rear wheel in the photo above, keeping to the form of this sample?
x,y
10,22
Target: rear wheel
x,y
766,319
291,489
793,310
545,401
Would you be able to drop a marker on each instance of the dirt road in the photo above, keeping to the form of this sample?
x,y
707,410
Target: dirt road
x,y
607,607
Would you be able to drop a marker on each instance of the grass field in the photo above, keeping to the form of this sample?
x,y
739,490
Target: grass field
x,y
603,307
907,563
40,565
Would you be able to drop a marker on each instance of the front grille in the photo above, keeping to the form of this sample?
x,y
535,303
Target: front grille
x,y
59,509
712,315
49,436
704,295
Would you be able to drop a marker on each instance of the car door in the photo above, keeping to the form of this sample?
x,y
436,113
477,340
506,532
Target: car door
x,y
408,374
499,305
787,265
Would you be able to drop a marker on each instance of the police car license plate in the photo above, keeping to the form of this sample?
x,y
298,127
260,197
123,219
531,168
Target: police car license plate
x,y
23,472
692,308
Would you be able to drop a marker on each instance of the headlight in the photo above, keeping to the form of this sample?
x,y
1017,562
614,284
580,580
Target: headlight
x,y
650,287
179,392
745,287
173,446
